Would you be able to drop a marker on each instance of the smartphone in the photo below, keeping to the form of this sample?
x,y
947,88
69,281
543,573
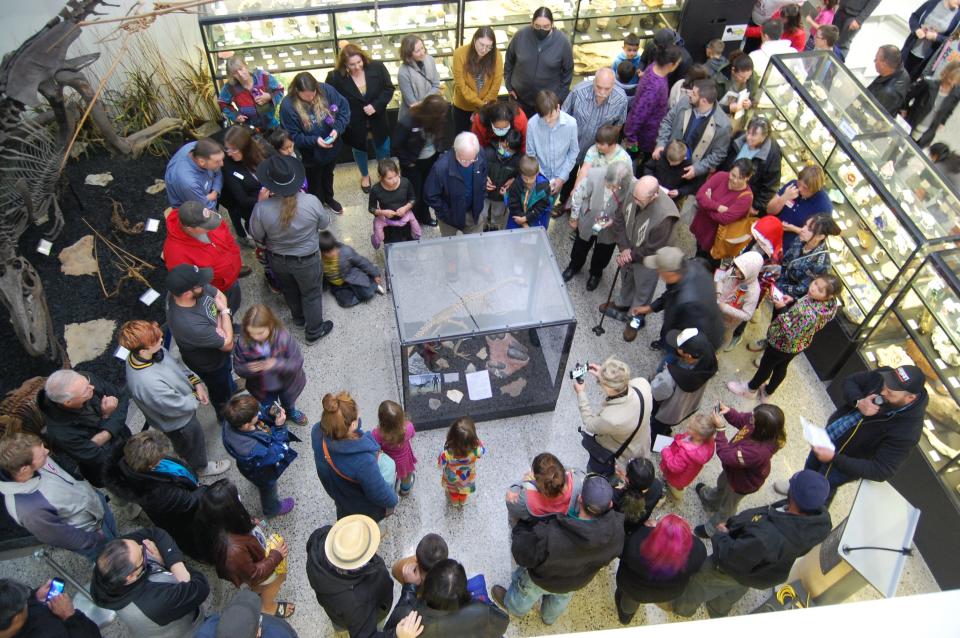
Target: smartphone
x,y
716,408
56,588
329,139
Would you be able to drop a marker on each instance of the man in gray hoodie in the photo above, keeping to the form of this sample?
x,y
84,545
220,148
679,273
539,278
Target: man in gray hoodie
x,y
48,502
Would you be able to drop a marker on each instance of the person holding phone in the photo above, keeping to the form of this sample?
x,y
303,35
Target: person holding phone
x,y
46,611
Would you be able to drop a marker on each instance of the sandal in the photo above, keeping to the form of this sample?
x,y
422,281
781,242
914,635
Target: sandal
x,y
285,609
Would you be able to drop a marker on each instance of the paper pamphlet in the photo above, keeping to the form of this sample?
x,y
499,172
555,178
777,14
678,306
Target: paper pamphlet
x,y
816,435
478,385
662,442
149,296
152,225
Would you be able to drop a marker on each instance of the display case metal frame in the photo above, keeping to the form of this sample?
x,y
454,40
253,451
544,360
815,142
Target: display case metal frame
x,y
843,139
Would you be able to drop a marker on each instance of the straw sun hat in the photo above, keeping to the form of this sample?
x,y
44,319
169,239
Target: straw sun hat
x,y
352,542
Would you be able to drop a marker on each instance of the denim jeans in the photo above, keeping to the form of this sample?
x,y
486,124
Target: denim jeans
x,y
362,158
108,531
523,593
219,384
269,499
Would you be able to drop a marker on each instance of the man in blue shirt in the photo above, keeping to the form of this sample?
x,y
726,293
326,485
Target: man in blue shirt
x,y
193,174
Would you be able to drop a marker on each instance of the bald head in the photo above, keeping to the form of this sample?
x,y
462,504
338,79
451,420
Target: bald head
x,y
646,190
603,83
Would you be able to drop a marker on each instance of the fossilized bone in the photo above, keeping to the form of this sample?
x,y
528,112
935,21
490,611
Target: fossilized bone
x,y
446,315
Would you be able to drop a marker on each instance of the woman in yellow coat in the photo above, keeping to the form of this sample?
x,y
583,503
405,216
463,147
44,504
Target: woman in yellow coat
x,y
477,75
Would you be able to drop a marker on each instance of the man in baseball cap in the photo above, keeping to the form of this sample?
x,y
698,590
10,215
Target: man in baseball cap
x,y
559,555
241,618
874,429
199,236
757,547
689,301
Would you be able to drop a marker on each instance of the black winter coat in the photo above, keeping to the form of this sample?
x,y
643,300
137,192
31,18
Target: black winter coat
x,y
875,450
762,543
170,501
354,600
407,141
920,99
68,432
633,574
890,91
378,94
691,303
562,553
500,170
240,188
473,620
766,169
41,623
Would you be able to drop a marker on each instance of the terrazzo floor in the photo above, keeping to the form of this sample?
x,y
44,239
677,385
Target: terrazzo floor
x,y
360,354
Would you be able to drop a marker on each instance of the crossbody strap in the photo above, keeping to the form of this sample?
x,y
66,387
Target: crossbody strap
x,y
326,455
626,443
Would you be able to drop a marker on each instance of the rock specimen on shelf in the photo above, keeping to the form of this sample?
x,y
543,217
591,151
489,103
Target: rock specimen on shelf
x,y
158,186
455,395
434,404
514,388
101,179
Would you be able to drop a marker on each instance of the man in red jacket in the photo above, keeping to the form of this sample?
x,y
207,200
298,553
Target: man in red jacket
x,y
199,236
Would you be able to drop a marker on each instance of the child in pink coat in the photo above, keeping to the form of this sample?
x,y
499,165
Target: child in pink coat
x,y
393,433
683,459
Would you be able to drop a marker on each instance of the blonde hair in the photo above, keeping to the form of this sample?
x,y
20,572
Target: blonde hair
x,y
615,374
16,450
288,210
306,82
260,316
702,426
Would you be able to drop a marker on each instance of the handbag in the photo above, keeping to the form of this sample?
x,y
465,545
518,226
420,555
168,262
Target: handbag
x,y
603,457
732,237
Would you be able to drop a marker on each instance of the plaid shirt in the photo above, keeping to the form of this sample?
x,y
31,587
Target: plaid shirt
x,y
582,105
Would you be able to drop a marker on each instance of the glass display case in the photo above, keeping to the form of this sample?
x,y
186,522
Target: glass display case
x,y
288,39
484,325
892,205
285,37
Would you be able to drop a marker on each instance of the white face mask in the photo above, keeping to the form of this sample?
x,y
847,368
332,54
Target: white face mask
x,y
500,132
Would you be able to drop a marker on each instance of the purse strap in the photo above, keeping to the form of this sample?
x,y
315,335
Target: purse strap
x,y
326,455
626,443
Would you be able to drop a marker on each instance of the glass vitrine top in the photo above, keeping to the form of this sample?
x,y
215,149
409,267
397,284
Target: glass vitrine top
x,y
449,287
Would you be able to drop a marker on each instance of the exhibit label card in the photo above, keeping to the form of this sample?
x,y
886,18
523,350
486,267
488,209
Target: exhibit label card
x,y
152,225
149,296
478,385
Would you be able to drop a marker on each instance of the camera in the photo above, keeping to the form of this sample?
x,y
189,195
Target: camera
x,y
578,373
636,322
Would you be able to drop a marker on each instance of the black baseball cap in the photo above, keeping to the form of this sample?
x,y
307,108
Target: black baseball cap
x,y
690,340
904,378
596,495
187,276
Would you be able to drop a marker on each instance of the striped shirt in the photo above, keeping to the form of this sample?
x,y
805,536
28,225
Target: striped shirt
x,y
582,105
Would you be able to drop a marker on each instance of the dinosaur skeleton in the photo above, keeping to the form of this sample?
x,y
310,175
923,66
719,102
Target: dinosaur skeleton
x,y
32,157
446,315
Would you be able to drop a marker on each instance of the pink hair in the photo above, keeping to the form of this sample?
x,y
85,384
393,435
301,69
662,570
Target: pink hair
x,y
666,549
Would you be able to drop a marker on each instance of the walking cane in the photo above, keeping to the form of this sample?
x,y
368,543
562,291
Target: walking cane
x,y
598,329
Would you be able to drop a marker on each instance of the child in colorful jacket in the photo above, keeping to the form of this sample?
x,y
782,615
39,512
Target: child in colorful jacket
x,y
259,442
528,198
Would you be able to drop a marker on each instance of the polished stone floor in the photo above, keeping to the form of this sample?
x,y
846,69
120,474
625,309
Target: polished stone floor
x,y
360,356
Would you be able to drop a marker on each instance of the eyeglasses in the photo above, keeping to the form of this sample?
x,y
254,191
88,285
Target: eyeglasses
x,y
483,47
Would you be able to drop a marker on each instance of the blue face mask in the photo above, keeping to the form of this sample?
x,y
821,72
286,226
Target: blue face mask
x,y
504,152
500,132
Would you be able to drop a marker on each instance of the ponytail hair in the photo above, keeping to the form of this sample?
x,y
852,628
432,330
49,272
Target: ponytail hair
x,y
339,411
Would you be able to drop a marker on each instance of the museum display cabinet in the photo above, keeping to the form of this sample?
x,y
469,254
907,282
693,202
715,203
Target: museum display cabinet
x,y
484,325
285,37
894,208
922,327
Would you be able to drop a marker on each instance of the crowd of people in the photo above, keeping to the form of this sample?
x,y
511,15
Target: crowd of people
x,y
648,141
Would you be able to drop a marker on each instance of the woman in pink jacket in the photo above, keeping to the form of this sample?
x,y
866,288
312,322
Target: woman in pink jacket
x,y
723,199
683,459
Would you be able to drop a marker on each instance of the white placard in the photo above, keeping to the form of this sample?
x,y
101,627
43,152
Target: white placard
x,y
451,377
662,442
121,353
816,435
152,225
734,32
44,247
149,296
478,385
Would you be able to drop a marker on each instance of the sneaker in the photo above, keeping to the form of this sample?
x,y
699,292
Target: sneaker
x,y
656,345
734,341
215,467
286,506
703,499
325,328
298,417
741,389
498,594
782,487
405,492
757,346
